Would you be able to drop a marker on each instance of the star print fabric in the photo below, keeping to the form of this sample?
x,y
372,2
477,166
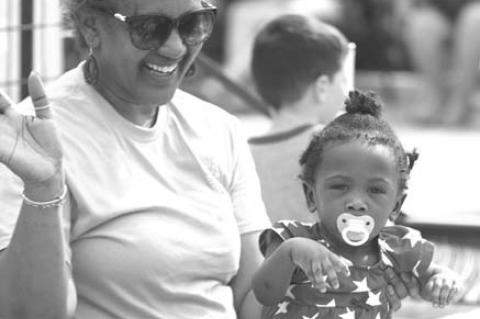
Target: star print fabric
x,y
362,295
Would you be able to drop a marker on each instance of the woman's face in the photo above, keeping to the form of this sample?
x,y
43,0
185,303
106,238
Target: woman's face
x,y
144,76
355,179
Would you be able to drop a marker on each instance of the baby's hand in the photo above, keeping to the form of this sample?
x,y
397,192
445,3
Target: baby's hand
x,y
318,263
441,288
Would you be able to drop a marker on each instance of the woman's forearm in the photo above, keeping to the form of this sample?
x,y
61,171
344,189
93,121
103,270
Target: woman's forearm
x,y
35,280
273,278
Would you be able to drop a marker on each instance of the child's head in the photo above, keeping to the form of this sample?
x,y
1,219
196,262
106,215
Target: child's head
x,y
355,172
294,52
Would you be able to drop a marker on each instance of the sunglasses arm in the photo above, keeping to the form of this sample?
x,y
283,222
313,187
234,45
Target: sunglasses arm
x,y
120,17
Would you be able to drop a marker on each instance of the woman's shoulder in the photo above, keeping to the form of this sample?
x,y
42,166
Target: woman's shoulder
x,y
196,109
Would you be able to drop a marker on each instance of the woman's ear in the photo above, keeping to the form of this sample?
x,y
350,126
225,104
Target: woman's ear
x,y
88,27
309,192
397,210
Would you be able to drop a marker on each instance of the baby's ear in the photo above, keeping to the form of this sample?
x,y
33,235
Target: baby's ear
x,y
397,210
309,196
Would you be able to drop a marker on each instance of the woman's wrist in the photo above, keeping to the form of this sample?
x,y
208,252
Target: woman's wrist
x,y
45,191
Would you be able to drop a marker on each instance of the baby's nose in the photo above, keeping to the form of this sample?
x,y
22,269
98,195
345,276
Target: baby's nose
x,y
356,205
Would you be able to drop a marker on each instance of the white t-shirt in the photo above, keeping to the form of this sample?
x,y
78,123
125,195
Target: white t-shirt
x,y
156,213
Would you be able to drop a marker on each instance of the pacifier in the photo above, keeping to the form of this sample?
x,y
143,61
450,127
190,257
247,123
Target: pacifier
x,y
355,230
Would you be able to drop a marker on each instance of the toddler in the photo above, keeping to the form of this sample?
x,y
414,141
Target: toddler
x,y
354,175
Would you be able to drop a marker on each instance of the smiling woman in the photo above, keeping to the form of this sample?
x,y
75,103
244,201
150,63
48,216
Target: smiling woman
x,y
124,197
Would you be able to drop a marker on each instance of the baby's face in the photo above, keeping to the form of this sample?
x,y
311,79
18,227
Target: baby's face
x,y
355,190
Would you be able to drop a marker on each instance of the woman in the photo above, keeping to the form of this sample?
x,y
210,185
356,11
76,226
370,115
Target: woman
x,y
145,202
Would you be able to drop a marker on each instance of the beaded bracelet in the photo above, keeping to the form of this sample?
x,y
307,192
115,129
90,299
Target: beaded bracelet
x,y
57,202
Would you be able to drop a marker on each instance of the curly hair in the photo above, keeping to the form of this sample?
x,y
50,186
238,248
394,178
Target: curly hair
x,y
362,121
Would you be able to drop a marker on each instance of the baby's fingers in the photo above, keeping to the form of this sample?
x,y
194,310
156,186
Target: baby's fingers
x,y
318,278
444,293
452,293
436,289
340,264
332,278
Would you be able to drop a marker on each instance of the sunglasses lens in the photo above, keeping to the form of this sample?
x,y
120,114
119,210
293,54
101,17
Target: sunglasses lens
x,y
148,32
196,27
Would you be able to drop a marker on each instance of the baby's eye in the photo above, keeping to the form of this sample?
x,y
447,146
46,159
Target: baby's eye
x,y
376,190
340,187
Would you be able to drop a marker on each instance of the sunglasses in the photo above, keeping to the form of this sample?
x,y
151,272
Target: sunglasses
x,y
150,31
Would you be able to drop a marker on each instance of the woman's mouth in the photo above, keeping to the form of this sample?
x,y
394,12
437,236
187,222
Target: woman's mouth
x,y
161,70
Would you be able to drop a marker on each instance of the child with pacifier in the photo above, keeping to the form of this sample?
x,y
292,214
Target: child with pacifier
x,y
354,175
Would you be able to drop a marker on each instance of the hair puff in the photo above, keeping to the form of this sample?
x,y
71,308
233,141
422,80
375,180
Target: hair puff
x,y
363,103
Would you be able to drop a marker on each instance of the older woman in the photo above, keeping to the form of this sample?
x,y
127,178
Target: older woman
x,y
121,196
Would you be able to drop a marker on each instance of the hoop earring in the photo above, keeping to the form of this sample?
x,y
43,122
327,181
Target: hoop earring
x,y
90,70
191,70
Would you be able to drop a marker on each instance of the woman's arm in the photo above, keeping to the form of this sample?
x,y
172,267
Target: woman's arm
x,y
35,279
245,303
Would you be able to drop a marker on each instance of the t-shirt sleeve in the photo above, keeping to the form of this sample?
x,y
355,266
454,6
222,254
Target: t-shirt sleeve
x,y
11,188
407,249
247,200
283,230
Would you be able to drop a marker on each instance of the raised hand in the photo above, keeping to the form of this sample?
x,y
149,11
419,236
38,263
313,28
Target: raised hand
x,y
318,263
29,145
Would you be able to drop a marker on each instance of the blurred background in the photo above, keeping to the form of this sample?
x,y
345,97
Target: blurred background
x,y
420,56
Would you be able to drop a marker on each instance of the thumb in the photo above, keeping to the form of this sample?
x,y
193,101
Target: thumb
x,y
38,96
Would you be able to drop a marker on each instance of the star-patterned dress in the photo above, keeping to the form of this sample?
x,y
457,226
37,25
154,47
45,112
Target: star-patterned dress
x,y
362,295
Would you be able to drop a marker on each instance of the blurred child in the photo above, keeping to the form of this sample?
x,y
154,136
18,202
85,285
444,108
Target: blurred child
x,y
354,175
298,67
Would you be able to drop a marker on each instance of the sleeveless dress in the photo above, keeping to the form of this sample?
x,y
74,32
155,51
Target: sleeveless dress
x,y
362,295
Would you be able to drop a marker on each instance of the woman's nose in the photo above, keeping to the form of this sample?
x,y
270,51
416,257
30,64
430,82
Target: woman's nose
x,y
173,47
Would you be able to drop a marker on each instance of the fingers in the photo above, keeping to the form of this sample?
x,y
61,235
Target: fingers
x,y
411,283
331,274
393,299
447,291
443,296
396,283
341,265
317,277
452,293
324,275
5,103
38,96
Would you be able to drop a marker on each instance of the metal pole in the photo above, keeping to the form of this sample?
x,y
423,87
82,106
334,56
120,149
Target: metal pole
x,y
26,45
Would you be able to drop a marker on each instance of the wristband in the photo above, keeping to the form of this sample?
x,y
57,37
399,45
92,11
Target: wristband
x,y
57,202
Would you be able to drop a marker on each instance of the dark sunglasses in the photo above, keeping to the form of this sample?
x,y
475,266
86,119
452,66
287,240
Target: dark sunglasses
x,y
150,31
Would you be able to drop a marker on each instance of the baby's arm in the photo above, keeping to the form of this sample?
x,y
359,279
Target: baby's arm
x,y
440,285
319,264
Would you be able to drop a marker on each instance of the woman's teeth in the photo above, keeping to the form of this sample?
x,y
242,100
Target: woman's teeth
x,y
161,69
